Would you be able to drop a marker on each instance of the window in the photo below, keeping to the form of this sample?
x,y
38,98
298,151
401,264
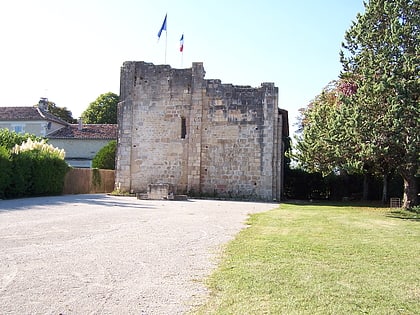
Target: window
x,y
18,128
183,127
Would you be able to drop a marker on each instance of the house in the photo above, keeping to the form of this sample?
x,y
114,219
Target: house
x,y
198,136
80,142
35,120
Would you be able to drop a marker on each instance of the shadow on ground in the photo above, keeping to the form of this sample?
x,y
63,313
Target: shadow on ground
x,y
96,199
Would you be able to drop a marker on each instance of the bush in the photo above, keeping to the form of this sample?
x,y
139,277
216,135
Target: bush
x,y
9,139
105,158
48,173
6,169
299,184
21,179
37,169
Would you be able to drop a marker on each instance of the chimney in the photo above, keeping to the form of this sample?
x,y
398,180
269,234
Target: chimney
x,y
43,104
80,127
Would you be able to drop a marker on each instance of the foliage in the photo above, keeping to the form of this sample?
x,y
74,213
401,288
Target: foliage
x,y
61,112
368,121
37,169
302,185
40,146
299,184
29,166
5,167
21,182
325,126
105,158
96,177
9,139
382,49
48,173
319,259
103,110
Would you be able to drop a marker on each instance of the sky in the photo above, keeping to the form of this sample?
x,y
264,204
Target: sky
x,y
71,51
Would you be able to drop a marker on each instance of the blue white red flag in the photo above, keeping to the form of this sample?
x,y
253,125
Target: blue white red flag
x,y
181,43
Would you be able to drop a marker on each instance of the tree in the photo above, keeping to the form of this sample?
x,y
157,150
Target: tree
x,y
105,158
328,132
103,110
61,112
382,50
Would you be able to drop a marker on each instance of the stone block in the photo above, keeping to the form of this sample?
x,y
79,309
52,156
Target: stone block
x,y
160,191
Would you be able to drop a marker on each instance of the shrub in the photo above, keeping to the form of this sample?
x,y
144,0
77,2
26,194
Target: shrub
x,y
6,168
48,173
21,179
38,169
9,139
105,158
40,146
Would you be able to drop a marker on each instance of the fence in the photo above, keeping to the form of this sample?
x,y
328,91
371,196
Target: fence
x,y
88,181
395,203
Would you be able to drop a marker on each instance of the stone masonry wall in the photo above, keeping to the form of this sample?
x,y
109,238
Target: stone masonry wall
x,y
201,136
238,132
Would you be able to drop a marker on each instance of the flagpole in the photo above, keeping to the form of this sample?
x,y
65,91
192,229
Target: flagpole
x,y
181,48
164,28
166,43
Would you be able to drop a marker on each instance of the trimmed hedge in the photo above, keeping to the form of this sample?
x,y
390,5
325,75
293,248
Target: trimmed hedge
x,y
5,170
30,168
36,173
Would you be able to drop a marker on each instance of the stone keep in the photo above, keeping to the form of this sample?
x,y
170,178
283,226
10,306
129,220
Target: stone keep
x,y
201,136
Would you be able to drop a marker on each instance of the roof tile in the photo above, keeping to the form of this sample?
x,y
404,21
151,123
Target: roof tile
x,y
89,131
27,113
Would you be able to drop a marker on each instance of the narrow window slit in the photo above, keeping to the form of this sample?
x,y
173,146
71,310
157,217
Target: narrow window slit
x,y
183,127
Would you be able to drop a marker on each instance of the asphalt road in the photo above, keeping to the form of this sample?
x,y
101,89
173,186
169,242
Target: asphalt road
x,y
99,254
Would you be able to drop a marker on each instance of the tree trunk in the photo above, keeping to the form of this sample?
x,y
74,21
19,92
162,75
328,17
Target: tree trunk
x,y
385,188
411,197
365,187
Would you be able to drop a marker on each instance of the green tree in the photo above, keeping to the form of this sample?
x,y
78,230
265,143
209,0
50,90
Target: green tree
x,y
331,138
319,147
382,50
327,139
61,112
103,110
105,158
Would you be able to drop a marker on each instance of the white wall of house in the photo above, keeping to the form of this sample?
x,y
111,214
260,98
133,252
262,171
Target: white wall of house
x,y
39,128
79,152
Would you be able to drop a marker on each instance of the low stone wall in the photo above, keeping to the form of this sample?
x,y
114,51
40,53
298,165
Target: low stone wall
x,y
88,181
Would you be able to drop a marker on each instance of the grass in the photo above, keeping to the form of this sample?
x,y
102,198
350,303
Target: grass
x,y
320,259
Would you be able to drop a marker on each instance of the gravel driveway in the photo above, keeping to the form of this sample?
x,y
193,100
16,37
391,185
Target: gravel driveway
x,y
99,254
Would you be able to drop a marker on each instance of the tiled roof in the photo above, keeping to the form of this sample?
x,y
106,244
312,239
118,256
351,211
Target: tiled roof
x,y
27,113
89,131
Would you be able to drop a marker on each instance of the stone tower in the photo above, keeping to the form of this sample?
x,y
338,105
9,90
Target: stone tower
x,y
201,136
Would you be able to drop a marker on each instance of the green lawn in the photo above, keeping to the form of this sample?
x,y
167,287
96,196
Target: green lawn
x,y
320,259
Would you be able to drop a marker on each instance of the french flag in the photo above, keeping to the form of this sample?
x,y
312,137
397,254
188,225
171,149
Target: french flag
x,y
163,28
181,43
